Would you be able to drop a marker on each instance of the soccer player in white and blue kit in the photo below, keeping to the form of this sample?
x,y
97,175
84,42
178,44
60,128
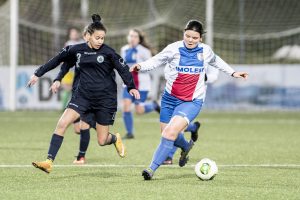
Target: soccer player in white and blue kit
x,y
137,50
185,90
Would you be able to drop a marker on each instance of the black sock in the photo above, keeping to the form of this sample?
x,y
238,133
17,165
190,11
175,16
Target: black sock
x,y
55,144
84,142
112,140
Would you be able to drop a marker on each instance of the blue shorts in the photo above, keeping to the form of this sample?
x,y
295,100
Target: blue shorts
x,y
143,94
171,106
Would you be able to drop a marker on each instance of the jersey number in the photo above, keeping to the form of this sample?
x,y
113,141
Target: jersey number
x,y
78,60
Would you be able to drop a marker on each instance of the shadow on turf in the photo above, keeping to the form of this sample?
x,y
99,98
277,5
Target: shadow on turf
x,y
108,175
103,175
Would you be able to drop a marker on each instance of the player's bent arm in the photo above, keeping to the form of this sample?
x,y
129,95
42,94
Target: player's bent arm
x,y
160,59
64,69
123,70
220,64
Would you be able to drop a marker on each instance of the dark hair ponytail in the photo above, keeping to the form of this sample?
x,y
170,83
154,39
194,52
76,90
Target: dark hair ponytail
x,y
96,18
195,25
96,24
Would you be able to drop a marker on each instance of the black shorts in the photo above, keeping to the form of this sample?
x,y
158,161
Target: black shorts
x,y
85,108
89,118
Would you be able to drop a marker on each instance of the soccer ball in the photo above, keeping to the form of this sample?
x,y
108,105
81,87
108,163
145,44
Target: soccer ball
x,y
206,169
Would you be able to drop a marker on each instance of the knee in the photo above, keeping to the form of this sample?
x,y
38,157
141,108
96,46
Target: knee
x,y
126,106
102,142
77,130
170,133
139,110
84,125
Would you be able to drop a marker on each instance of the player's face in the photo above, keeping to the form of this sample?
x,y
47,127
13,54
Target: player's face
x,y
191,38
96,39
133,38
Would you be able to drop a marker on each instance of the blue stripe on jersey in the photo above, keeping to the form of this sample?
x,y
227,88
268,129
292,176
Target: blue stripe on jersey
x,y
130,55
191,57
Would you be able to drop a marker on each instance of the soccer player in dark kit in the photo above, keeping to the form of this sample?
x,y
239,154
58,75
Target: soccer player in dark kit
x,y
96,91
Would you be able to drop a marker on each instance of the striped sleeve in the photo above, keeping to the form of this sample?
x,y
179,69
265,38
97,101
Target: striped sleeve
x,y
160,59
218,62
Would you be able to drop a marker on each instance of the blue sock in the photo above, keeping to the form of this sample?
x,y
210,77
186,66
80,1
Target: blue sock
x,y
181,142
84,142
171,154
128,120
191,127
149,107
161,153
55,144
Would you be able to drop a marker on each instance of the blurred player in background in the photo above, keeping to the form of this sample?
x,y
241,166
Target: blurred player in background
x,y
96,91
184,92
137,50
67,81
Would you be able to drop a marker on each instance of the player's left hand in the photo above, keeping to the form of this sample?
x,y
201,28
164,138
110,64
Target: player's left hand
x,y
240,75
135,93
55,87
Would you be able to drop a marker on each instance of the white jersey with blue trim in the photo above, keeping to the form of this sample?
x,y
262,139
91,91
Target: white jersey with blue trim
x,y
133,55
186,69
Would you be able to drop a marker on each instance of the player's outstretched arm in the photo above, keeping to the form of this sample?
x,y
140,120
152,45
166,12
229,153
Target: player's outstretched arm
x,y
63,56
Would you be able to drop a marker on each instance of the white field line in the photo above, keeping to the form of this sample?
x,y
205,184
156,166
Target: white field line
x,y
166,166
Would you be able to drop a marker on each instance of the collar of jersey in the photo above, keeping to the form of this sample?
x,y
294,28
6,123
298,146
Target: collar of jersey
x,y
196,49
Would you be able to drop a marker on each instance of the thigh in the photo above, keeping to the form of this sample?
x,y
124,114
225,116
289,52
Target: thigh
x,y
168,105
102,132
174,127
162,126
68,117
188,110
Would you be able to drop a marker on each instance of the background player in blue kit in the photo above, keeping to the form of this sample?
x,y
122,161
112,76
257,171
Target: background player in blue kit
x,y
185,90
96,91
137,50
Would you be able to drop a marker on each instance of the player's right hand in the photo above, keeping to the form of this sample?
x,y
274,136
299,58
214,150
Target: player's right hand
x,y
135,67
240,75
32,80
55,87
